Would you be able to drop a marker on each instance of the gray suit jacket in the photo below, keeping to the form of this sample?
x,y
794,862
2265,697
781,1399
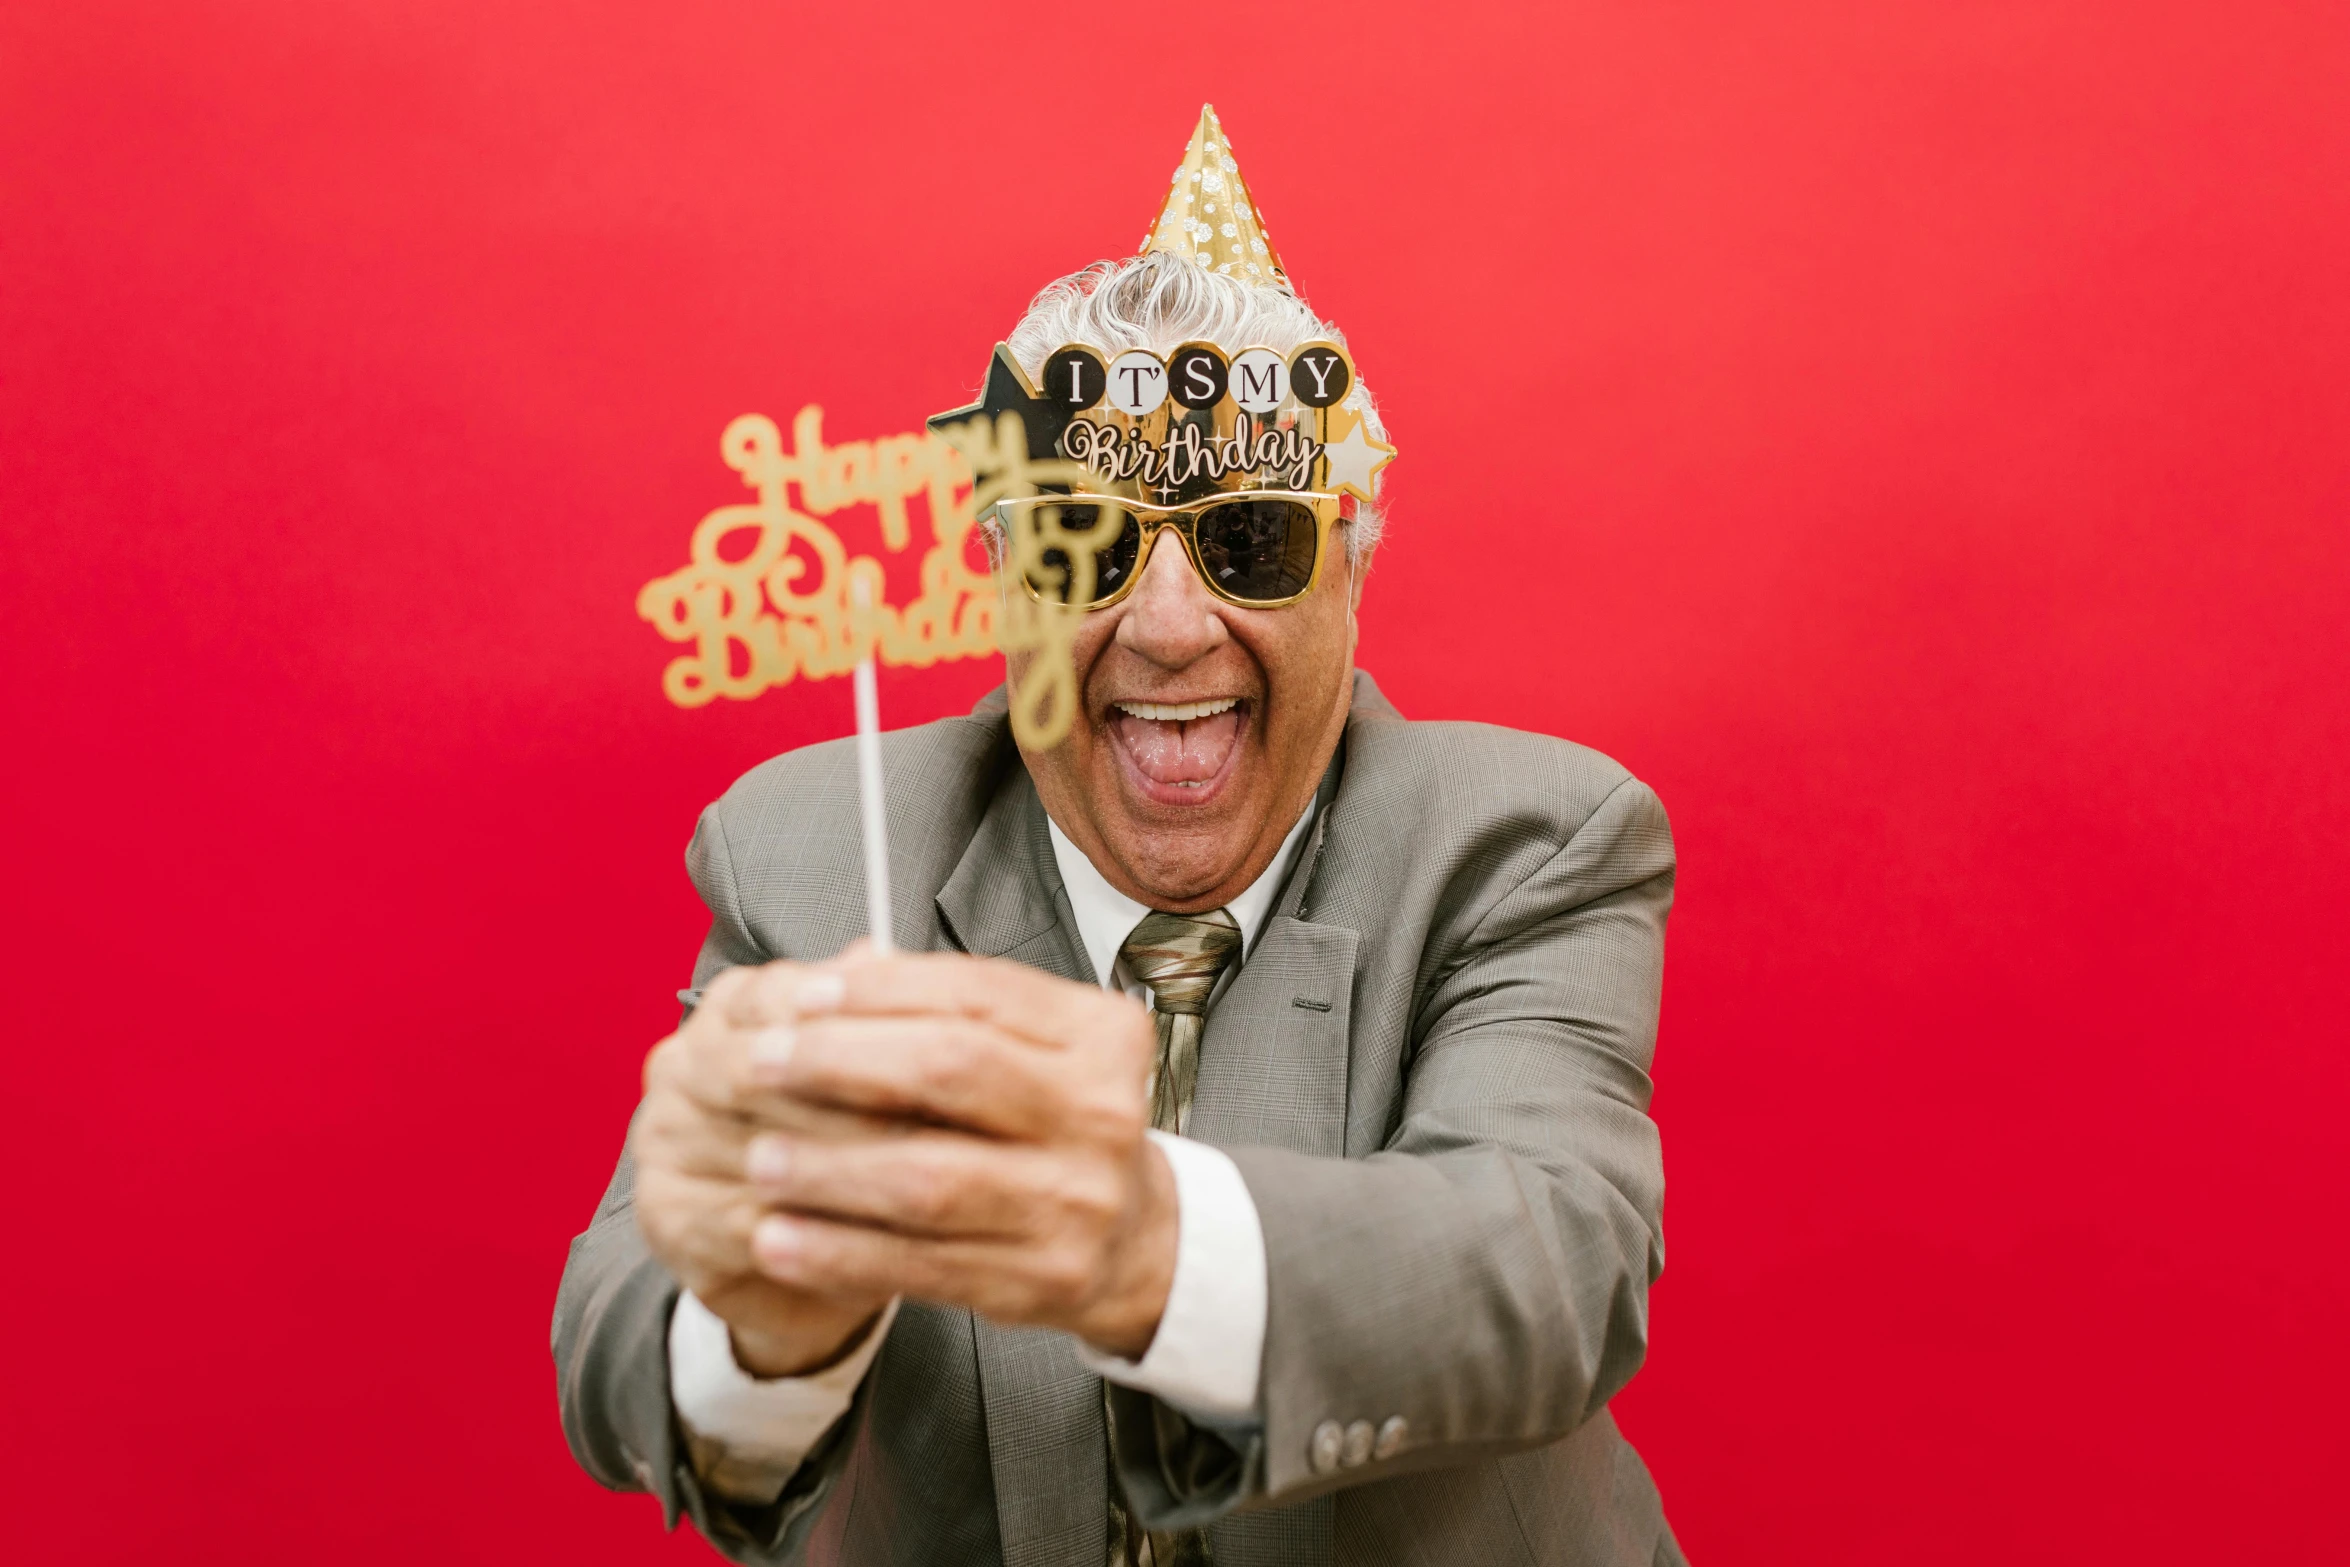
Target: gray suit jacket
x,y
1433,1074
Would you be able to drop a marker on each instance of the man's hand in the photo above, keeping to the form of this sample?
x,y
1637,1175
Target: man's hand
x,y
694,1203
1020,1183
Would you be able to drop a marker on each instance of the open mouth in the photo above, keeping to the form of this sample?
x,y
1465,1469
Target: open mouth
x,y
1180,753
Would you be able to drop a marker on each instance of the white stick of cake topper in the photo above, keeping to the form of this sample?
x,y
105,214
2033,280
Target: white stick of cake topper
x,y
869,798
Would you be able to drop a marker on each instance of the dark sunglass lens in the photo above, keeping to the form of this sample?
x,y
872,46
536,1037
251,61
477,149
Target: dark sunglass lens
x,y
1260,550
1117,562
1111,566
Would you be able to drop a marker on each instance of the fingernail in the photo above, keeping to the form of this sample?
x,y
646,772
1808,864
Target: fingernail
x,y
768,1159
776,1240
819,992
771,1050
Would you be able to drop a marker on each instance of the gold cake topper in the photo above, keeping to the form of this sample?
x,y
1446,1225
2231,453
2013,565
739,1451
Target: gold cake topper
x,y
766,595
1036,548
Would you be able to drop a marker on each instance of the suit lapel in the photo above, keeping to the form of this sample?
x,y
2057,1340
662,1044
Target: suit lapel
x,y
1004,898
1044,1409
1273,1059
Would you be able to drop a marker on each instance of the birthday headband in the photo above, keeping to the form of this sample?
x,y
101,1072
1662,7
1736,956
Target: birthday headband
x,y
1166,429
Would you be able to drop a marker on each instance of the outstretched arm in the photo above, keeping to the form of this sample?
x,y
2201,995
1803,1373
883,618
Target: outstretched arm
x,y
678,1216
1480,1284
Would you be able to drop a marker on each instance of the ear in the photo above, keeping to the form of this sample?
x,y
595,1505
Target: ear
x,y
1354,602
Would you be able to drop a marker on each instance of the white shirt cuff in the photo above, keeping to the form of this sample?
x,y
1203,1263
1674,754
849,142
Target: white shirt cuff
x,y
748,1434
1210,1347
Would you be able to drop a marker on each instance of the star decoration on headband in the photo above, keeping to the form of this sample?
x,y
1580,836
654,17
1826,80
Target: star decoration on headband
x,y
1354,460
1008,391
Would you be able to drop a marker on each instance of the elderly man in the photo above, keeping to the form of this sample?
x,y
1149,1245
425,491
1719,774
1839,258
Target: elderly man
x,y
1249,1160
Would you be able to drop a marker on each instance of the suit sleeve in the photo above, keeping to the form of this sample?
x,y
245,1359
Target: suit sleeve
x,y
612,1319
1480,1284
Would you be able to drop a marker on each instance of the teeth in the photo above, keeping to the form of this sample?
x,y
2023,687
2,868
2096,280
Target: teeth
x,y
1177,712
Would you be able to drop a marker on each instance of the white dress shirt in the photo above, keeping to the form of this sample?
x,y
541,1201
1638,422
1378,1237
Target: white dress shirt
x,y
1207,1356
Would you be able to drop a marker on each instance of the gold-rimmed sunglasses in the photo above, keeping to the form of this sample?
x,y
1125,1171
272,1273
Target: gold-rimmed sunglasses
x,y
1257,549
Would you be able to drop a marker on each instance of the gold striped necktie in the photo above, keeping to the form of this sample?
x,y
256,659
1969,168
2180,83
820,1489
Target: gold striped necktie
x,y
1179,957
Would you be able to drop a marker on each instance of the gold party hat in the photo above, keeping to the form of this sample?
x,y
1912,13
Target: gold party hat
x,y
1210,217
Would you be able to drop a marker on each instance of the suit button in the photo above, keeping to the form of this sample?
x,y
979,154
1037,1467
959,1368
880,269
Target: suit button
x,y
1391,1437
1322,1451
1358,1445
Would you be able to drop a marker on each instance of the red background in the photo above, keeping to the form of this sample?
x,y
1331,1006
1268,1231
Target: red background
x,y
1939,496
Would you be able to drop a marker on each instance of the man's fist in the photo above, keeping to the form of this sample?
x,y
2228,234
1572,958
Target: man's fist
x,y
694,1202
957,1129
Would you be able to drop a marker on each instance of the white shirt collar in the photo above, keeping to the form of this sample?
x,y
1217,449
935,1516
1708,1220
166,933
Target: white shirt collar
x,y
1106,916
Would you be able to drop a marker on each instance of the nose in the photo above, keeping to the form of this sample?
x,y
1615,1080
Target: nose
x,y
1171,618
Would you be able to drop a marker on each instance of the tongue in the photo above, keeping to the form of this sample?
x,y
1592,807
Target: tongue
x,y
1180,753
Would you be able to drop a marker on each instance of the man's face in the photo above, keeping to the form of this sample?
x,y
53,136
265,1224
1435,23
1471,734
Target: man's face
x,y
1204,729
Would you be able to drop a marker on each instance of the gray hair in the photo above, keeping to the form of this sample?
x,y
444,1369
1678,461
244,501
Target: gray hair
x,y
1161,301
